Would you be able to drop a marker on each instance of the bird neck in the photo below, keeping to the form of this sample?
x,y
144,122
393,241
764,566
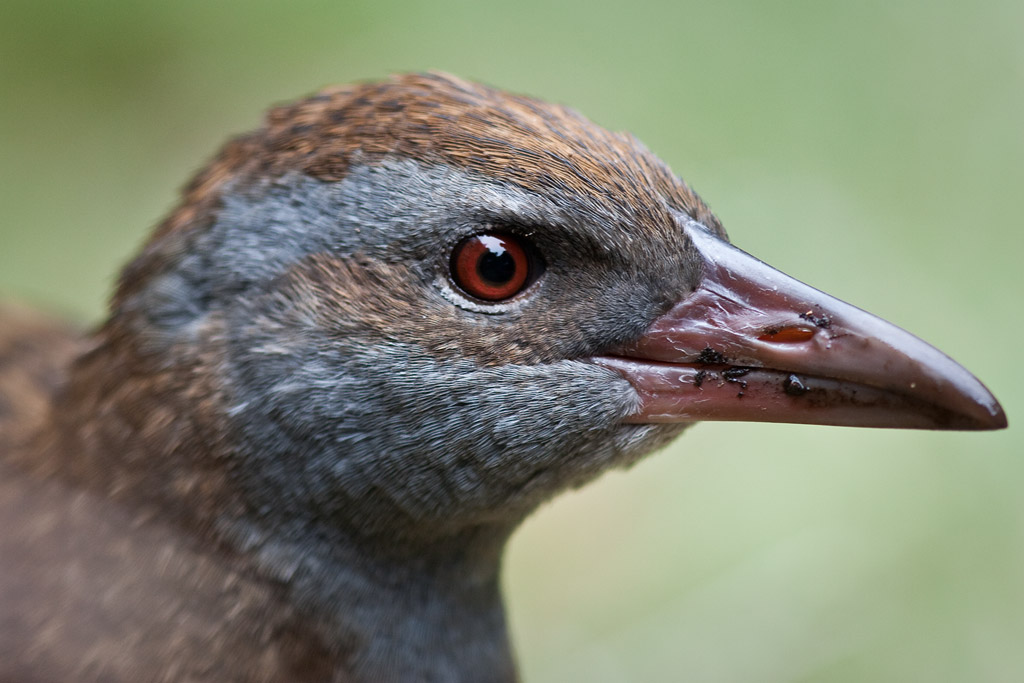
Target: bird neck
x,y
401,611
395,603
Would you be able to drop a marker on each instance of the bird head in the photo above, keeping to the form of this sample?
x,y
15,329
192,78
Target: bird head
x,y
431,305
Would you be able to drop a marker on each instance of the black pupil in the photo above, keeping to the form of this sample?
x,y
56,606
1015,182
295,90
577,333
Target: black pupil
x,y
496,265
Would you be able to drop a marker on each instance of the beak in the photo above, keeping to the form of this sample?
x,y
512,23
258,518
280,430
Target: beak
x,y
751,343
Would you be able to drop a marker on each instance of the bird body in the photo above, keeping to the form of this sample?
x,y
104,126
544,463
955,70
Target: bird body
x,y
374,336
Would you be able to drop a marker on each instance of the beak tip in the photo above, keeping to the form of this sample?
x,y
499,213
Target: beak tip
x,y
975,407
997,420
975,423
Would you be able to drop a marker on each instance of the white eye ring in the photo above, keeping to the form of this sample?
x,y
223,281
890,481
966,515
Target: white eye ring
x,y
453,295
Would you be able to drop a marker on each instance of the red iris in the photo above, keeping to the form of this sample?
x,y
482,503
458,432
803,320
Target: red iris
x,y
491,267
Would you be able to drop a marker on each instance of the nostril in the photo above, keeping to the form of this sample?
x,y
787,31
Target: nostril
x,y
789,334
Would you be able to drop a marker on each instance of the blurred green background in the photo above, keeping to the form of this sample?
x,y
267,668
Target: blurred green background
x,y
873,149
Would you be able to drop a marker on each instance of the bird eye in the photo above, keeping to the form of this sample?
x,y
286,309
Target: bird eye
x,y
493,267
